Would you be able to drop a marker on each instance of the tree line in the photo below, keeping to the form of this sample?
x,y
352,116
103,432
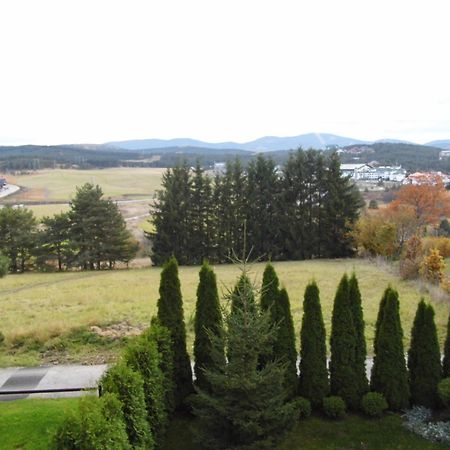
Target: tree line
x,y
92,235
304,209
248,390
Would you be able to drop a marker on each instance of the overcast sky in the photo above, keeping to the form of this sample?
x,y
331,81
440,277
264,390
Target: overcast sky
x,y
95,71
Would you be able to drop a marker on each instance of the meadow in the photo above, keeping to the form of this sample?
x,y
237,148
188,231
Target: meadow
x,y
47,317
58,185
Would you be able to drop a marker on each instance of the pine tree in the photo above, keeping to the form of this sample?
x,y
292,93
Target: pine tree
x,y
247,407
446,361
389,374
208,320
313,382
343,348
424,358
358,322
170,315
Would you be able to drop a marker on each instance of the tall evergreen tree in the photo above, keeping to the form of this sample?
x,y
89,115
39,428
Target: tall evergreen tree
x,y
343,348
246,407
208,320
170,315
358,322
313,382
389,374
446,361
270,290
380,315
424,358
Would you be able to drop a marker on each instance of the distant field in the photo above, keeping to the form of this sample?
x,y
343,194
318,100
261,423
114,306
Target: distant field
x,y
59,185
37,309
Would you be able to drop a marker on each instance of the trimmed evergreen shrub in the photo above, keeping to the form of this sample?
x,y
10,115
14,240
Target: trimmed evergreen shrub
x,y
334,407
313,381
269,290
304,407
444,391
424,358
389,374
374,404
170,315
127,385
446,360
97,424
343,379
208,320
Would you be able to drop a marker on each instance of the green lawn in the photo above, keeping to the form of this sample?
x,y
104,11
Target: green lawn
x,y
38,309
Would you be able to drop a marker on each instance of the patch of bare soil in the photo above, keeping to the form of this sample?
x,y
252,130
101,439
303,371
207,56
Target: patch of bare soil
x,y
118,330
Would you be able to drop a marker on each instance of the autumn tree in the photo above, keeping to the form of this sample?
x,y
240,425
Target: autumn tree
x,y
432,267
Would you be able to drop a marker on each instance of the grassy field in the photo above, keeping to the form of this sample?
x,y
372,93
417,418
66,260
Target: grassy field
x,y
45,317
30,424
59,185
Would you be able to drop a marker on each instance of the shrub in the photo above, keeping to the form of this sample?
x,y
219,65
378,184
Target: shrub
x,y
373,204
97,424
444,391
4,265
373,404
334,407
418,421
440,243
432,267
2,338
304,407
410,260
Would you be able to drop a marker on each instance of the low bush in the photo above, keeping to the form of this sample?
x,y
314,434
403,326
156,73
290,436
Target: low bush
x,y
441,243
97,424
374,404
304,407
418,421
444,391
334,407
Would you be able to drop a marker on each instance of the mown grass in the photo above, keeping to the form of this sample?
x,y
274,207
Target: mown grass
x,y
41,308
59,184
30,424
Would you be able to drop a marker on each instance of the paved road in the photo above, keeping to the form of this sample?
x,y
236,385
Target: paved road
x,y
48,377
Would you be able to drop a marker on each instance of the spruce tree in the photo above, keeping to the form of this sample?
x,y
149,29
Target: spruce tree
x,y
424,358
170,315
313,383
446,361
389,374
358,322
208,320
247,406
343,348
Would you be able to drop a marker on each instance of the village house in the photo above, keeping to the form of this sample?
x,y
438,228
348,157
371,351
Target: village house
x,y
418,178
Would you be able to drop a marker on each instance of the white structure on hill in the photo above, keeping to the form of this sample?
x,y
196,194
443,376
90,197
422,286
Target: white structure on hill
x,y
366,172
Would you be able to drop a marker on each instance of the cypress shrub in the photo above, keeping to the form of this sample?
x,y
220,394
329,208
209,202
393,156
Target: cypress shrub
x,y
446,361
373,404
269,290
142,355
127,385
380,316
358,322
424,358
334,407
389,374
208,320
170,315
343,381
313,382
444,391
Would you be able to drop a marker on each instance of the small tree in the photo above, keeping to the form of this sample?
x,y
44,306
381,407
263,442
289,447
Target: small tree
x,y
432,267
446,361
389,374
424,358
128,386
208,320
343,348
313,382
410,260
170,315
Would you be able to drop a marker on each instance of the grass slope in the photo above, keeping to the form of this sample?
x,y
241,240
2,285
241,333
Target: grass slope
x,y
42,313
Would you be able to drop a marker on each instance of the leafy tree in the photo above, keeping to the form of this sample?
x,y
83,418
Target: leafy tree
x,y
208,320
446,360
424,358
343,378
128,386
389,374
246,407
313,382
18,230
358,322
171,316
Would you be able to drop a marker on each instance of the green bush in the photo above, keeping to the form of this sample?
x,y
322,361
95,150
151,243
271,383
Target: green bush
x,y
444,391
373,404
334,407
304,407
97,424
4,265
